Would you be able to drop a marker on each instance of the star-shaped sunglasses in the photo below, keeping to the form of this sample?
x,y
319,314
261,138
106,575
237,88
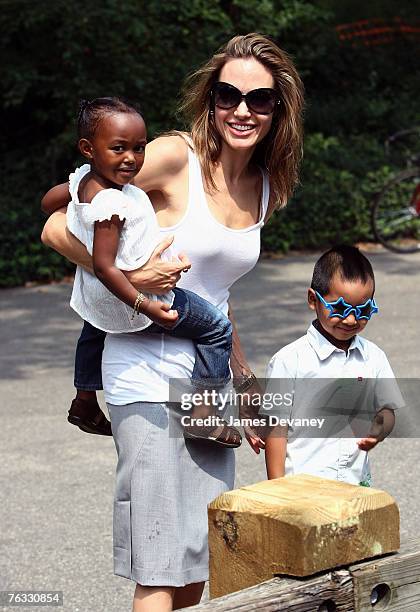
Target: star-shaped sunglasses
x,y
340,308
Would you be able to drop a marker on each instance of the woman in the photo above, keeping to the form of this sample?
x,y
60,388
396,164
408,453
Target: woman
x,y
212,190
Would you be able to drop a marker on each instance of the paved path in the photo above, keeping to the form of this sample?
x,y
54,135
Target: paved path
x,y
57,484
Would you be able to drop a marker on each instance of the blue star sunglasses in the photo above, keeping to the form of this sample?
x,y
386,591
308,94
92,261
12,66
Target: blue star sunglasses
x,y
340,308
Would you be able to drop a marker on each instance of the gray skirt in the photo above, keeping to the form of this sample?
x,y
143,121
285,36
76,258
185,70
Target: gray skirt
x,y
163,486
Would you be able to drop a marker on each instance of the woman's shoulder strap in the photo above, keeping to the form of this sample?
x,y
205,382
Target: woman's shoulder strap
x,y
265,197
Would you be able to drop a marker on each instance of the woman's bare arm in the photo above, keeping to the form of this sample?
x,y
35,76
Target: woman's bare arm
x,y
240,370
156,276
56,235
238,362
165,158
57,197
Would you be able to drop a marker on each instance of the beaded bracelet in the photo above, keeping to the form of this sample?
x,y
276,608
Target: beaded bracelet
x,y
139,301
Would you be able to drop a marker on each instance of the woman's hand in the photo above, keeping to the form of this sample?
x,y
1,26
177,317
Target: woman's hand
x,y
253,435
158,276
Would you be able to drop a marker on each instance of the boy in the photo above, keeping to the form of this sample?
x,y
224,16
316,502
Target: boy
x,y
341,295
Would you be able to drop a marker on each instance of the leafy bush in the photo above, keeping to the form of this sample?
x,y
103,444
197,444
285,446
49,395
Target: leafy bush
x,y
56,53
332,204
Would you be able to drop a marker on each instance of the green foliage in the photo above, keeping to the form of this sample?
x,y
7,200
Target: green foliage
x,y
330,205
58,52
22,256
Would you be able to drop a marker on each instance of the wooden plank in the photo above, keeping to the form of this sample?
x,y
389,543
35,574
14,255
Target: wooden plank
x,y
296,595
399,572
297,526
348,589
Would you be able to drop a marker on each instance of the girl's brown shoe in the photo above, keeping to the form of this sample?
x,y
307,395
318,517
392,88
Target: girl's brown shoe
x,y
88,416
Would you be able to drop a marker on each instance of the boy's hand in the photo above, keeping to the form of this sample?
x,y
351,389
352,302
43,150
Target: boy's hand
x,y
160,313
366,444
382,425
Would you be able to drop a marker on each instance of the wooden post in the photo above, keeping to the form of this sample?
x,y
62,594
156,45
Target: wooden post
x,y
297,526
393,581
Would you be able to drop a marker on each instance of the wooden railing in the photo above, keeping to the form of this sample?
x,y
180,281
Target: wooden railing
x,y
390,583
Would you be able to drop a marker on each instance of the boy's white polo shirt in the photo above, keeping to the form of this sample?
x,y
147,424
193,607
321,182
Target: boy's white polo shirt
x,y
313,356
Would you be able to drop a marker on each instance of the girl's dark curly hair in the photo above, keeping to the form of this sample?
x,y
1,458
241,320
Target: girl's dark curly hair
x,y
92,111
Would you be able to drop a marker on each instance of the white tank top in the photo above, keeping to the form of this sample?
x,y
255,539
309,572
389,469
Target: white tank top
x,y
137,367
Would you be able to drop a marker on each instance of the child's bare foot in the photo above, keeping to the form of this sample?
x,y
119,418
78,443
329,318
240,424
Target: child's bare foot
x,y
87,415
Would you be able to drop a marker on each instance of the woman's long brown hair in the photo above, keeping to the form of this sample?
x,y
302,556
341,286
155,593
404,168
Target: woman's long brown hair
x,y
280,151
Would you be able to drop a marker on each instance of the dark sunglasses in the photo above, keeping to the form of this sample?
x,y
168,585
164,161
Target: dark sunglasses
x,y
261,101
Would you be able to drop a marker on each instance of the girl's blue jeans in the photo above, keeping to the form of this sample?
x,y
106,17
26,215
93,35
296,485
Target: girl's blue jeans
x,y
198,320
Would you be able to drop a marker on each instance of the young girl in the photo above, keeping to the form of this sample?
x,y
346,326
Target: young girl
x,y
116,222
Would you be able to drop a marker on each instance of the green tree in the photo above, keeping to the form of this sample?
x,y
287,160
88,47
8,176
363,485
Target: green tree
x,y
58,52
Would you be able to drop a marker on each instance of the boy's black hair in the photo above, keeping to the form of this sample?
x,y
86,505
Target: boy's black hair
x,y
92,111
345,260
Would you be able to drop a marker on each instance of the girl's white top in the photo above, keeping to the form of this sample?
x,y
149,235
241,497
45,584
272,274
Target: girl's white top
x,y
139,369
139,236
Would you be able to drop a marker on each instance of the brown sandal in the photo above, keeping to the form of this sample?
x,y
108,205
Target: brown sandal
x,y
222,434
88,416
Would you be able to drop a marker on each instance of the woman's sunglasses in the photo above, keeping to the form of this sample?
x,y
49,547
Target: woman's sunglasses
x,y
340,308
261,101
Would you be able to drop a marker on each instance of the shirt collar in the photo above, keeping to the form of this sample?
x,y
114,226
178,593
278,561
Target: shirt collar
x,y
324,348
